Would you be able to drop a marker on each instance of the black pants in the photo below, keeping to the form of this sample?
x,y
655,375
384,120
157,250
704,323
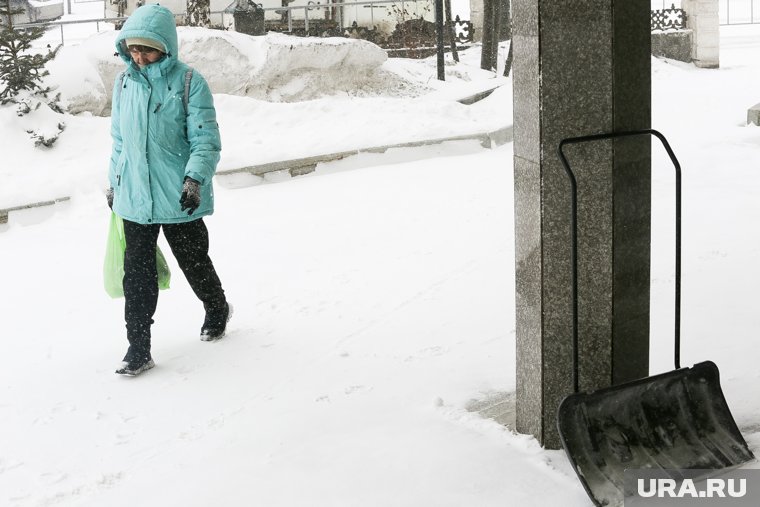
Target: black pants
x,y
189,244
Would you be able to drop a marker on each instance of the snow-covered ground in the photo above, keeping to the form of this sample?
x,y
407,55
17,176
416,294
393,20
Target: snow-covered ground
x,y
260,85
374,300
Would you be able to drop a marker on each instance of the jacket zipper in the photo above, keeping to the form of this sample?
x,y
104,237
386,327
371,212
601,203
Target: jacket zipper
x,y
150,93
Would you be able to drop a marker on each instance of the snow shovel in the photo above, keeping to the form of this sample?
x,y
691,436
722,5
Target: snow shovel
x,y
672,421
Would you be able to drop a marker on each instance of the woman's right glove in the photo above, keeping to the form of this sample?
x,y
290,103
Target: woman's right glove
x,y
109,197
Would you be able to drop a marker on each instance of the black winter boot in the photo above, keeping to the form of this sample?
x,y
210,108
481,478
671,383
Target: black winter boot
x,y
136,361
216,323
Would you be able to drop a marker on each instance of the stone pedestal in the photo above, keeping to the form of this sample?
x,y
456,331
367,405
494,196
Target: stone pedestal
x,y
476,18
580,67
674,45
702,17
753,117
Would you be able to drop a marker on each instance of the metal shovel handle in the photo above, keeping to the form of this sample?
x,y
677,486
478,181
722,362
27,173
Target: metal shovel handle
x,y
574,234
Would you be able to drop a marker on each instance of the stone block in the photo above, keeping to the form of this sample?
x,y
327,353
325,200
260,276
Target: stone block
x,y
673,45
753,115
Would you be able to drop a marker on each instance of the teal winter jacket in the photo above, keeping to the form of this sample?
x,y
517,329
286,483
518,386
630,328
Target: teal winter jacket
x,y
155,142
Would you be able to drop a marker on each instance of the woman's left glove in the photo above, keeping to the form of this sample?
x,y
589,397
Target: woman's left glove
x,y
191,195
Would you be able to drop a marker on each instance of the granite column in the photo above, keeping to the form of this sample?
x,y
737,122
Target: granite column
x,y
580,67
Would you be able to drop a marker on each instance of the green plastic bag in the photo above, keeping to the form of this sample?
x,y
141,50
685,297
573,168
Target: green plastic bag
x,y
113,266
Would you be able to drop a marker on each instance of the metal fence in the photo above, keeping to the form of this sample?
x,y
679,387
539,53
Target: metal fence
x,y
311,19
350,19
664,4
672,18
292,18
100,23
731,12
739,12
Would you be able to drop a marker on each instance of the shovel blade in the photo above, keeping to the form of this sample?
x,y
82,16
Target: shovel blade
x,y
676,420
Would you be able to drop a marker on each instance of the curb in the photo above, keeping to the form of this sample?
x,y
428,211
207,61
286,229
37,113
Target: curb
x,y
306,165
471,99
5,211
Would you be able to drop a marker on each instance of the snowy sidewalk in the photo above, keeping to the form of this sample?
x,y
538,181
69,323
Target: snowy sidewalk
x,y
374,307
306,165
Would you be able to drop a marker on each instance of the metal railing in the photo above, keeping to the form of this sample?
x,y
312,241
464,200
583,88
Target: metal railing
x,y
463,29
731,12
333,11
668,19
739,12
662,4
61,24
289,16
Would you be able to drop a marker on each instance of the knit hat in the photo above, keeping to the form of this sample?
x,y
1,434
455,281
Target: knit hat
x,y
140,41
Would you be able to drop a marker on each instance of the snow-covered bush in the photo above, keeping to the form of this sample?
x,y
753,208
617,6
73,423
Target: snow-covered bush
x,y
21,67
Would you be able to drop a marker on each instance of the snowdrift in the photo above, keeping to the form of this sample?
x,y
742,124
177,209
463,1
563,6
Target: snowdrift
x,y
274,67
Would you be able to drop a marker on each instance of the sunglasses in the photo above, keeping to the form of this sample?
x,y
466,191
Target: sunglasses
x,y
143,50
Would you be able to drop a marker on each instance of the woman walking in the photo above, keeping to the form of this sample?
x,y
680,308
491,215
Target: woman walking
x,y
166,147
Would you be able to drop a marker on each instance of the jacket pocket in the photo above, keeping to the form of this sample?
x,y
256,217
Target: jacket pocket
x,y
171,125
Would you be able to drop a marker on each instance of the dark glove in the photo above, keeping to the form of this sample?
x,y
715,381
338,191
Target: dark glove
x,y
109,197
191,195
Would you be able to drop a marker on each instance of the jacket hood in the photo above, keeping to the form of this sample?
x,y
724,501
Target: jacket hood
x,y
150,22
